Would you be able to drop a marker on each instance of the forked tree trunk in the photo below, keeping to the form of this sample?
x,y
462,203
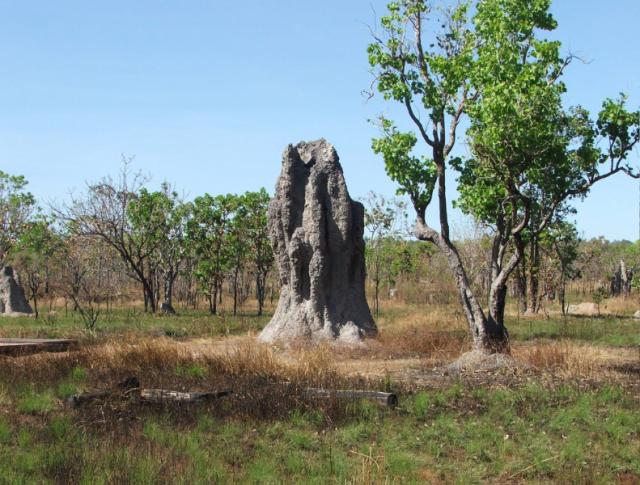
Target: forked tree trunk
x,y
488,332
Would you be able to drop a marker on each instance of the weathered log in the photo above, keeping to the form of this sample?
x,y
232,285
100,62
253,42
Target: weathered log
x,y
147,395
384,398
164,395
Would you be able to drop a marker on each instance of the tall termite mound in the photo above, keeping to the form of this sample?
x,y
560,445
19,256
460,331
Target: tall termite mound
x,y
12,299
316,231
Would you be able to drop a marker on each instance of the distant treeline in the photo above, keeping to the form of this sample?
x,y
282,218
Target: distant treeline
x,y
121,242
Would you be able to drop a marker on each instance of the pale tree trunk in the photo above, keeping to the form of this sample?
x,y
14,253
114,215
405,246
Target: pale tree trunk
x,y
488,333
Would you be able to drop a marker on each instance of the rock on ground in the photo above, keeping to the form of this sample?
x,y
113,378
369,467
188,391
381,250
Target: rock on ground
x,y
316,231
12,299
587,309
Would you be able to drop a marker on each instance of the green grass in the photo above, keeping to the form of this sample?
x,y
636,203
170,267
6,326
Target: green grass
x,y
188,323
460,433
604,330
456,434
36,403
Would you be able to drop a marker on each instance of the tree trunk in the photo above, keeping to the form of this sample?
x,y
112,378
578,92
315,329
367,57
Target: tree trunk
x,y
533,286
35,305
213,299
561,293
259,296
167,304
235,291
499,336
146,298
149,297
489,334
261,283
521,286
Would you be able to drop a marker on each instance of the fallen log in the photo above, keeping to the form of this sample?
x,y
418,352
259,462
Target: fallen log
x,y
164,395
384,398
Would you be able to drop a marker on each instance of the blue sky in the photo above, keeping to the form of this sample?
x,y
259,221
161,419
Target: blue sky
x,y
206,94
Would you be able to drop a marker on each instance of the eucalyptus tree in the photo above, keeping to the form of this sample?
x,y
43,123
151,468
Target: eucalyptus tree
x,y
16,208
208,234
383,219
255,218
238,244
158,222
499,71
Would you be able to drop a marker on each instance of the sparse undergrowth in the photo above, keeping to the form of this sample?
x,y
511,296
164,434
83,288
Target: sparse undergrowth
x,y
571,416
458,433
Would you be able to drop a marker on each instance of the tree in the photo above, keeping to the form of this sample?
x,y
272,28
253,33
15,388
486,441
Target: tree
x,y
104,213
208,232
383,220
528,271
562,242
16,208
238,243
158,223
500,73
87,273
257,234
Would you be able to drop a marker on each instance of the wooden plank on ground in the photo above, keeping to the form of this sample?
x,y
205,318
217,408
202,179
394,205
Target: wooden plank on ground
x,y
26,346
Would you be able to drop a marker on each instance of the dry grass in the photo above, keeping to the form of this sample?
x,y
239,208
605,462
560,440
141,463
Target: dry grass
x,y
264,384
621,305
569,360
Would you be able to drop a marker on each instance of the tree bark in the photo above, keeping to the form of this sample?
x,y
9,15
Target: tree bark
x,y
213,299
35,306
235,291
533,285
167,304
488,334
521,285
